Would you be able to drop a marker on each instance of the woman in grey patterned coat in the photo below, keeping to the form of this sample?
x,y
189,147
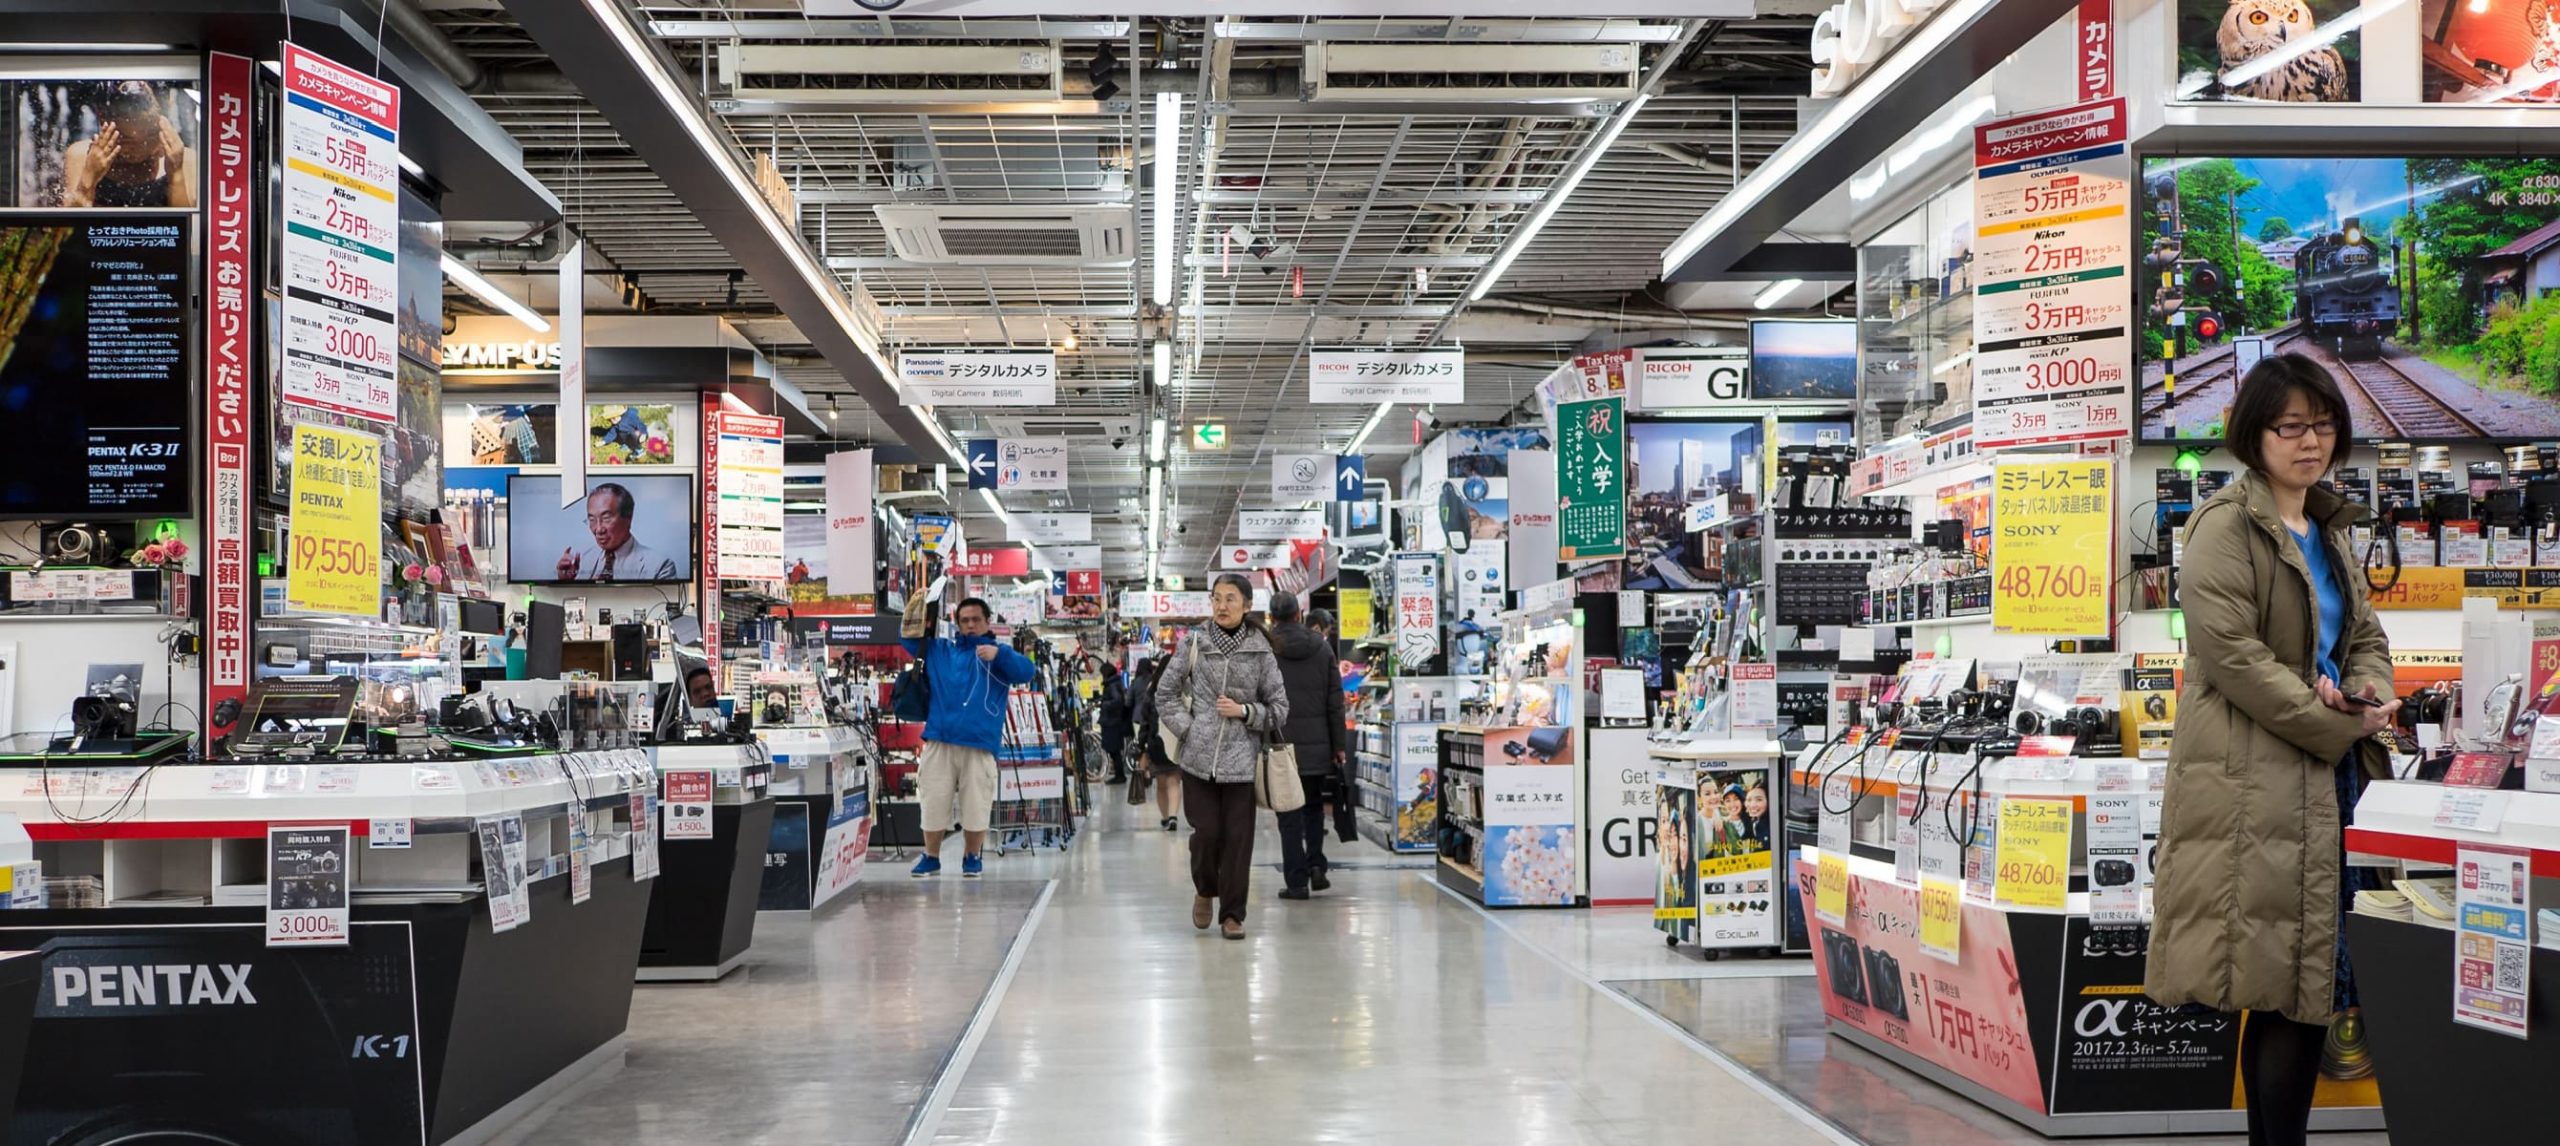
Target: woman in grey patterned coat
x,y
1222,695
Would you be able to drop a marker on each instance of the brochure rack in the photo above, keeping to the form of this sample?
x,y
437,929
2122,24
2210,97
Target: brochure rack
x,y
456,1029
703,918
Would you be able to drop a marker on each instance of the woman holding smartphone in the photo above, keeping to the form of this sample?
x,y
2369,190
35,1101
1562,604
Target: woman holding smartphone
x,y
2288,679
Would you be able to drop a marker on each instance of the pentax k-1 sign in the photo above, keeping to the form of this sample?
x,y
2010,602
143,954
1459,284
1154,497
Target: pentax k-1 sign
x,y
2053,281
1356,377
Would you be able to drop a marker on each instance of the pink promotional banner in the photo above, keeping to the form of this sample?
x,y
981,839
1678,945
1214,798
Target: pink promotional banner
x,y
852,549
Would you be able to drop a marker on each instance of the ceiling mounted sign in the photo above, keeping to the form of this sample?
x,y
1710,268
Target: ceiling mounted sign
x,y
993,563
1018,463
1253,556
1072,556
1358,377
1303,477
1208,436
1050,528
977,378
1280,524
1689,377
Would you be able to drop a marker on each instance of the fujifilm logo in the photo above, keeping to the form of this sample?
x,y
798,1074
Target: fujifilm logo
x,y
106,986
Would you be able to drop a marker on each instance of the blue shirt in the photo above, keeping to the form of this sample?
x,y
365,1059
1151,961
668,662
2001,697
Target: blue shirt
x,y
2331,598
969,695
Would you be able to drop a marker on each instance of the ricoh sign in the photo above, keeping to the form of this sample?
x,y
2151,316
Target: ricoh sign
x,y
1855,35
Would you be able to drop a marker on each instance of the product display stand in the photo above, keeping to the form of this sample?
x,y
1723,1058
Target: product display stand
x,y
1719,883
1511,790
2461,1082
703,918
821,815
429,1025
1396,750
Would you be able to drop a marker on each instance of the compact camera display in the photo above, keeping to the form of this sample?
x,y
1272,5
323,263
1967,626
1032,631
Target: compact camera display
x,y
1848,969
1884,982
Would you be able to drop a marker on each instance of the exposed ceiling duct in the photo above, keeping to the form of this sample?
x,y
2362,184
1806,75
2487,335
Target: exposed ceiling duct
x,y
1361,72
893,73
995,234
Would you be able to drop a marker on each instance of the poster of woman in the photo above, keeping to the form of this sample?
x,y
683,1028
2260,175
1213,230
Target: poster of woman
x,y
103,143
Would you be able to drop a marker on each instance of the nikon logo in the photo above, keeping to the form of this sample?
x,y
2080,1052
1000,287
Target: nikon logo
x,y
110,985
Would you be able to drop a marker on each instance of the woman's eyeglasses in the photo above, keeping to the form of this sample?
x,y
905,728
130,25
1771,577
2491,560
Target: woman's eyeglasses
x,y
2292,430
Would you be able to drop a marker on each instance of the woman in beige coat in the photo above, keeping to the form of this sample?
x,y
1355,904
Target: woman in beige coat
x,y
2288,678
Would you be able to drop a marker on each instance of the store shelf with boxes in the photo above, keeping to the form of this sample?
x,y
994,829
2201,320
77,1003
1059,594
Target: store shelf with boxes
x,y
1511,787
487,919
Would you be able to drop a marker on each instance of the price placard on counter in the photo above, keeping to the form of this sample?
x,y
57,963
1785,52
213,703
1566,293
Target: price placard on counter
x,y
308,869
2034,854
1831,889
1941,919
334,564
2052,546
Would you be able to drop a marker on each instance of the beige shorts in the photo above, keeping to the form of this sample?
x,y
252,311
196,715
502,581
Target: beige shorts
x,y
955,781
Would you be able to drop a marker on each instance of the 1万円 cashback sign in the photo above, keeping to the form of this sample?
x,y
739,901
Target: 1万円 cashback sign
x,y
1353,377
2052,545
2053,281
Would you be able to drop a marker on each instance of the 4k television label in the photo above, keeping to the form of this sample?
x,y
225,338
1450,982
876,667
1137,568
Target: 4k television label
x,y
334,564
341,195
1591,485
2053,285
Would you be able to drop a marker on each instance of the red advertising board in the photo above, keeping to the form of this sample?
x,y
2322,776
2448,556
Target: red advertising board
x,y
229,293
710,571
993,563
1084,582
2097,50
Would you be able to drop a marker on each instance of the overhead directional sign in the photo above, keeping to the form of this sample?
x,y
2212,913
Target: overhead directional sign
x,y
1302,477
1254,556
1052,528
1350,477
1280,524
1428,374
1017,463
977,378
1209,436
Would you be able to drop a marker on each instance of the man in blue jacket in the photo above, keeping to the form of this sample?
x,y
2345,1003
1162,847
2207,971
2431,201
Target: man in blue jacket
x,y
972,677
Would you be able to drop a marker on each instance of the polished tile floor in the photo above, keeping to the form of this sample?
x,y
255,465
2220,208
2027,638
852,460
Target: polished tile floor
x,y
1385,1010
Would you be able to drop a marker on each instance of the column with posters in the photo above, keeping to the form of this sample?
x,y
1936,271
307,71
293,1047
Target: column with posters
x,y
2053,283
229,86
340,194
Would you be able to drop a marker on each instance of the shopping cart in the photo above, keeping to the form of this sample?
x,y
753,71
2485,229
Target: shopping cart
x,y
1034,801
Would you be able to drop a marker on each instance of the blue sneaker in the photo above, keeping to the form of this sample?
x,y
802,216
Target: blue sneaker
x,y
929,865
972,866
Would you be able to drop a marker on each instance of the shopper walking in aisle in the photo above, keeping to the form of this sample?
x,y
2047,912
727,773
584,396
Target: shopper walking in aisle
x,y
1115,703
1315,729
2288,680
1146,727
1344,790
1221,694
972,677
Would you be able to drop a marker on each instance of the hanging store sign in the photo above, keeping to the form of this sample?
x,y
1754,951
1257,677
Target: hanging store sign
x,y
1253,556
341,199
1017,463
229,87
1417,632
1083,582
1155,604
2053,284
1051,528
334,564
571,432
1688,377
2053,543
750,493
2096,50
852,542
977,378
1280,524
1591,488
1359,377
992,562
1070,557
1304,477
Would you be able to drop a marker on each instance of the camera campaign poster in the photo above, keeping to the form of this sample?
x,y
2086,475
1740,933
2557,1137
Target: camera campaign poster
x,y
1737,870
308,868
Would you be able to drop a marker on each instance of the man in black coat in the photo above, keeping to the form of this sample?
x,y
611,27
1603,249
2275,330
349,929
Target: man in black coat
x,y
1315,728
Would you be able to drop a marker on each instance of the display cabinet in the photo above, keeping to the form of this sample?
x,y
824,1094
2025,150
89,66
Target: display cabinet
x,y
1915,310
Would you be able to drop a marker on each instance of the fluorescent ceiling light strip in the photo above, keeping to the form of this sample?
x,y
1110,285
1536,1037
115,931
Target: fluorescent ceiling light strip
x,y
2320,37
1155,440
1555,198
1168,162
1366,428
1769,296
488,292
1813,140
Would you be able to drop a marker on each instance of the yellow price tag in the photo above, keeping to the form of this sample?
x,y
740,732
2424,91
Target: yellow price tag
x,y
1941,919
334,564
2052,527
2034,857
1726,867
1831,889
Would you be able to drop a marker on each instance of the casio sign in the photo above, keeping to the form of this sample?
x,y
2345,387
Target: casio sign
x,y
101,986
1855,34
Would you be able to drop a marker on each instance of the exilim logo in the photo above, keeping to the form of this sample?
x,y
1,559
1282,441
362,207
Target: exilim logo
x,y
100,986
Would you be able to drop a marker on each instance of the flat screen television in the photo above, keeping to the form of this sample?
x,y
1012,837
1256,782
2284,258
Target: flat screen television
x,y
632,529
1804,360
1674,463
2422,286
94,337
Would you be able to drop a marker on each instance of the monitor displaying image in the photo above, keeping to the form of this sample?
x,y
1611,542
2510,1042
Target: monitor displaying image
x,y
93,367
1804,360
2423,286
631,529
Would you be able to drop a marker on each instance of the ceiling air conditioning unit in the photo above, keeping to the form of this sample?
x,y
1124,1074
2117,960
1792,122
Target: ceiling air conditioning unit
x,y
1338,70
871,74
1010,235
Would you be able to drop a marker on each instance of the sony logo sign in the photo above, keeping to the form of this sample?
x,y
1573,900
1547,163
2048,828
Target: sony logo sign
x,y
529,354
103,985
1855,34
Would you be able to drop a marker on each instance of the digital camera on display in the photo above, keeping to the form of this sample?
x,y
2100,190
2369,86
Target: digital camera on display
x,y
1884,983
1848,971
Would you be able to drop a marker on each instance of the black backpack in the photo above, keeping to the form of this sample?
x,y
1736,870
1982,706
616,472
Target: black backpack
x,y
911,698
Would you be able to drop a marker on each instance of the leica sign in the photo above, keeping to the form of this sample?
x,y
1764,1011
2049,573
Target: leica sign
x,y
1855,35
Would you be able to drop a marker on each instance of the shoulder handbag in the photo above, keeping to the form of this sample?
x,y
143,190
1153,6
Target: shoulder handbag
x,y
1275,778
911,698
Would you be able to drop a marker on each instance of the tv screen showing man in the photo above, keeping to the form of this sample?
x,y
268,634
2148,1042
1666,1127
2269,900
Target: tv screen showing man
x,y
616,554
630,529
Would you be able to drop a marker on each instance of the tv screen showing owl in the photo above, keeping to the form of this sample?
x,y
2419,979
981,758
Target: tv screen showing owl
x,y
2267,51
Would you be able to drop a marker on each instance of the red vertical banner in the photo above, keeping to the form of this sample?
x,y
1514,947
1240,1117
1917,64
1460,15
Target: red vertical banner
x,y
2097,50
229,291
711,415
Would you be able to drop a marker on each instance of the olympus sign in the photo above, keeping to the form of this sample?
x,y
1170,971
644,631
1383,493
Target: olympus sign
x,y
528,356
1856,34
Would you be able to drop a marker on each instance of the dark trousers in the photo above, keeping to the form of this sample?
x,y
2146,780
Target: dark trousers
x,y
1302,834
1221,840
